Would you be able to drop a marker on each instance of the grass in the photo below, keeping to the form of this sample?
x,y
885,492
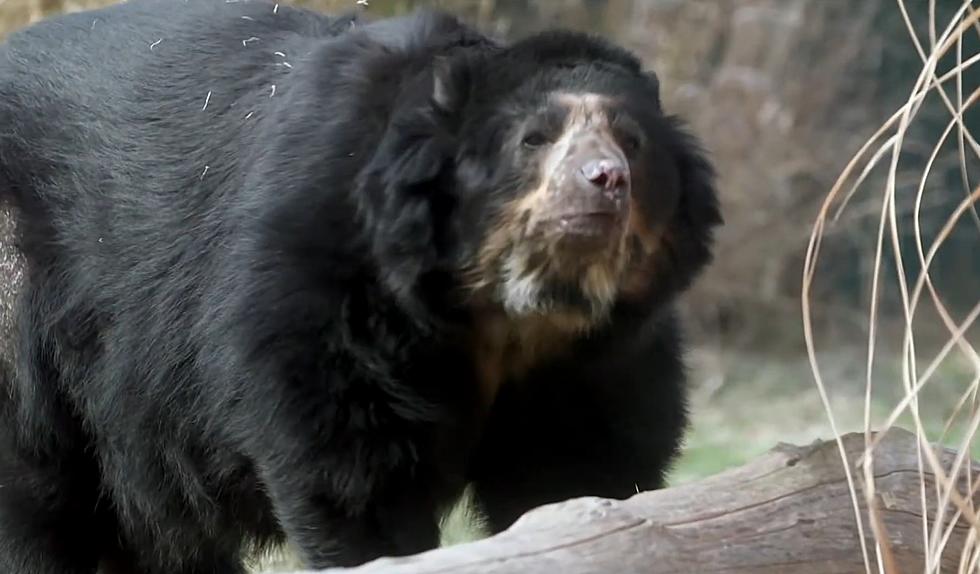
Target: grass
x,y
767,400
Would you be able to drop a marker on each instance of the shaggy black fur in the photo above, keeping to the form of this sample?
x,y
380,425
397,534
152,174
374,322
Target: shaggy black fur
x,y
244,228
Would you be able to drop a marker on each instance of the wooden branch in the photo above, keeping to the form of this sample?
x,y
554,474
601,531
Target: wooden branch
x,y
788,511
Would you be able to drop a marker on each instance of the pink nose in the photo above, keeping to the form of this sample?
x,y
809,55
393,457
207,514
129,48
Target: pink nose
x,y
605,173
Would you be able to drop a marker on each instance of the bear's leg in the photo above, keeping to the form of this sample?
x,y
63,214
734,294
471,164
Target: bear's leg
x,y
51,517
347,504
326,534
48,518
605,423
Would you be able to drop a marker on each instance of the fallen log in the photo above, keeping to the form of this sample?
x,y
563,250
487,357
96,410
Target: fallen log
x,y
788,511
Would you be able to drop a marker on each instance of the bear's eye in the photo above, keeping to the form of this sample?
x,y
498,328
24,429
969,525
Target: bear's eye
x,y
631,144
534,139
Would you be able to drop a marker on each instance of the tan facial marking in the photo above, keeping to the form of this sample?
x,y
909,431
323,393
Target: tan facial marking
x,y
517,261
585,109
640,269
505,348
587,124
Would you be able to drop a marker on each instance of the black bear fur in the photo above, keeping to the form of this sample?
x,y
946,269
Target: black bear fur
x,y
241,225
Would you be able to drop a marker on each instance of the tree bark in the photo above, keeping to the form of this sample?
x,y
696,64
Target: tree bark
x,y
788,511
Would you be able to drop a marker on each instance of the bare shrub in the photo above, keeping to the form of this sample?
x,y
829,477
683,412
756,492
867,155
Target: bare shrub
x,y
909,270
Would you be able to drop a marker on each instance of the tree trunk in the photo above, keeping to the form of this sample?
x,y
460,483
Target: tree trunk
x,y
788,511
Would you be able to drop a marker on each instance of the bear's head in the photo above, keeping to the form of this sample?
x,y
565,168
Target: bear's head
x,y
544,179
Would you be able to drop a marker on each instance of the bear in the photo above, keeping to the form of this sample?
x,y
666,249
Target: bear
x,y
296,278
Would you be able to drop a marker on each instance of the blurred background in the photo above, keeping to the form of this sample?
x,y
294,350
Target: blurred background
x,y
783,93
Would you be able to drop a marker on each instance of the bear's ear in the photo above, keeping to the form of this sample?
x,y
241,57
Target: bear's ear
x,y
404,193
653,86
451,84
443,91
